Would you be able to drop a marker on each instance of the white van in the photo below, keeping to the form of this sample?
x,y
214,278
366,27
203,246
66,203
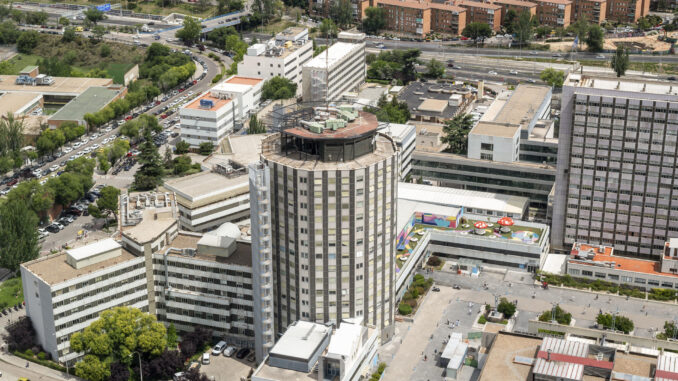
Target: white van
x,y
205,358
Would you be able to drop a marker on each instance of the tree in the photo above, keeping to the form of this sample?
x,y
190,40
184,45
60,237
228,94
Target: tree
x,y
119,372
69,35
435,69
181,147
617,323
620,61
542,31
594,38
119,332
20,335
255,127
98,33
278,88
172,336
506,307
476,30
164,366
341,12
228,6
150,174
107,204
553,77
523,27
94,15
562,317
195,340
510,16
27,41
206,148
18,234
374,20
456,133
190,32
579,28
328,28
64,21
393,111
670,331
92,368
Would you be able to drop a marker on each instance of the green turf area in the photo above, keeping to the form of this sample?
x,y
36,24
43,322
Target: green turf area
x,y
20,61
470,223
11,292
117,71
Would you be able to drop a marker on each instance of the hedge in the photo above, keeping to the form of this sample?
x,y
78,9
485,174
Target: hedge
x,y
404,309
47,363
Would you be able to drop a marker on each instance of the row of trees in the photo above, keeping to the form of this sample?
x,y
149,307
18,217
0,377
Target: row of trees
x,y
19,212
138,93
52,139
166,69
109,155
394,111
11,142
394,64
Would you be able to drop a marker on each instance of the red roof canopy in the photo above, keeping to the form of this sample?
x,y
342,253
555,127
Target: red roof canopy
x,y
505,221
480,225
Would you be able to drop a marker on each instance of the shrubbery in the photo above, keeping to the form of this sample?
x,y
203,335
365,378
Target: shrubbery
x,y
621,323
404,308
506,307
562,317
434,261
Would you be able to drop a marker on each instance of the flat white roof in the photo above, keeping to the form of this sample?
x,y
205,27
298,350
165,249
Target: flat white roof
x,y
332,55
93,249
555,263
455,352
345,339
300,340
406,209
462,198
398,131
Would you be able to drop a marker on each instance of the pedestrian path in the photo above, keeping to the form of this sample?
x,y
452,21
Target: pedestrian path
x,y
419,335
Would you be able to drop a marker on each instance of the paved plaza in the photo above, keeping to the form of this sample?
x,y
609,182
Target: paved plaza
x,y
413,352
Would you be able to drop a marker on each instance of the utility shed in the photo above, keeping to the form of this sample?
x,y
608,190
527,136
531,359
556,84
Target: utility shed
x,y
453,355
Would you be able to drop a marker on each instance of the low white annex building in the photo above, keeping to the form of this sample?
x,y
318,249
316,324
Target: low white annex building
x,y
282,56
220,110
66,292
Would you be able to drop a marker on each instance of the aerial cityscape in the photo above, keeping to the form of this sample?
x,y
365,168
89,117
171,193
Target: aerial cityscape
x,y
339,190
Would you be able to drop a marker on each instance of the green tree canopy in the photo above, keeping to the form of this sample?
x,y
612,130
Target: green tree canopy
x,y
617,323
523,27
477,30
182,147
341,12
393,111
18,234
435,69
255,126
456,133
553,77
620,61
374,20
278,88
27,41
152,170
206,148
119,332
328,28
190,31
594,38
506,307
94,15
107,204
562,317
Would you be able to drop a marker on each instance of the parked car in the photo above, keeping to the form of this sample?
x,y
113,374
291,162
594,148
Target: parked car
x,y
242,353
228,352
219,348
205,358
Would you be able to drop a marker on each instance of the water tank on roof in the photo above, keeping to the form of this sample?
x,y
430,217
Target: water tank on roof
x,y
206,103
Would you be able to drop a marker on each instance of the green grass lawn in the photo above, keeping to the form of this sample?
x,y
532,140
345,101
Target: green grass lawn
x,y
117,71
20,61
11,292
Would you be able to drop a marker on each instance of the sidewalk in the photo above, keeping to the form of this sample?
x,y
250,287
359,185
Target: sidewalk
x,y
43,372
418,336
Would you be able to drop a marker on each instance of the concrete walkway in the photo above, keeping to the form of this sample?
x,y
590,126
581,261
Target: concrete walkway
x,y
13,366
418,336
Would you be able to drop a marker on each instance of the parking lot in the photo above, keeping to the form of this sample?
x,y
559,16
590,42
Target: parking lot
x,y
222,368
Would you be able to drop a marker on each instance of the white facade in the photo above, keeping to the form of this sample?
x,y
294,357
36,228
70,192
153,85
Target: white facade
x,y
217,112
338,69
206,124
207,199
283,56
495,142
61,299
350,353
405,137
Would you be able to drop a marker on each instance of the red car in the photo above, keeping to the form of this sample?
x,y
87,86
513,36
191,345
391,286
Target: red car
x,y
128,118
13,182
195,82
181,89
163,116
157,103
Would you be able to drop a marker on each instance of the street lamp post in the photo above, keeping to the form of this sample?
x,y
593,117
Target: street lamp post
x,y
141,372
